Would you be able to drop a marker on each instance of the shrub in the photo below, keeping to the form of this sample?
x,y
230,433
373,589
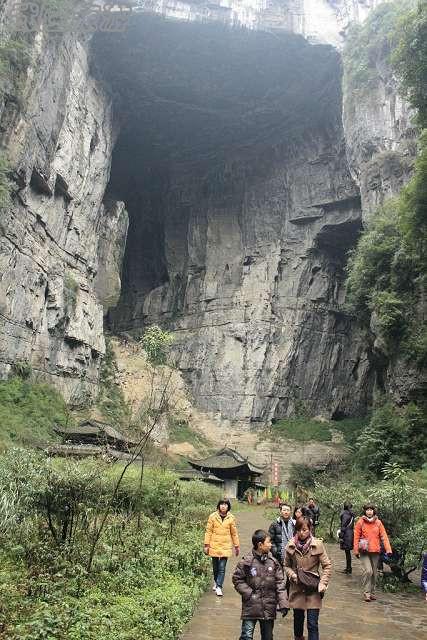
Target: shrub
x,y
147,573
350,428
14,59
111,399
393,436
303,475
70,292
156,343
400,506
22,369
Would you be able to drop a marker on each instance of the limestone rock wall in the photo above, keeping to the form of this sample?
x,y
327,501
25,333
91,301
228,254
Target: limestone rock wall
x,y
249,266
380,139
255,286
381,143
320,21
58,138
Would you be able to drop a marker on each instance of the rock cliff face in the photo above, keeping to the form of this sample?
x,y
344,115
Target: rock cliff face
x,y
239,245
381,145
58,135
228,149
320,21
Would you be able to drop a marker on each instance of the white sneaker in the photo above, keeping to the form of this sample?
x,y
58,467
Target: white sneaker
x,y
218,591
214,586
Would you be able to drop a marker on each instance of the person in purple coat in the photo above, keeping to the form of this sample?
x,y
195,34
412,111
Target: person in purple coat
x,y
424,575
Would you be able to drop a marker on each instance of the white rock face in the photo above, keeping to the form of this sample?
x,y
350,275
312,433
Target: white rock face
x,y
59,142
320,21
254,286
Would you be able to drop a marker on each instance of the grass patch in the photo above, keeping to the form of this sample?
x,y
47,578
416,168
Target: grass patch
x,y
300,429
180,431
28,411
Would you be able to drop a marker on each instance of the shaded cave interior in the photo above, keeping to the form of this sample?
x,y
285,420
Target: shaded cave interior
x,y
203,110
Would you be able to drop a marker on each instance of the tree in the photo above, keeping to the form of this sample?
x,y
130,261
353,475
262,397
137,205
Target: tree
x,y
156,343
143,420
393,436
410,59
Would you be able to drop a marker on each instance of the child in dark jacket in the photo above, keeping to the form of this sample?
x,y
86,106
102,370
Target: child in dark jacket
x,y
424,575
259,579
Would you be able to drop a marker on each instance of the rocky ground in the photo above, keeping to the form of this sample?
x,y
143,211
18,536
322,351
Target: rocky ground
x,y
139,383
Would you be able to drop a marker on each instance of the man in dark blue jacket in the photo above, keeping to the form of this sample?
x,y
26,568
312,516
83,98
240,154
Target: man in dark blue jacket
x,y
281,532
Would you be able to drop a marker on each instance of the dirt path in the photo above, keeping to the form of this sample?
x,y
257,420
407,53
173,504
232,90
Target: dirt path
x,y
344,615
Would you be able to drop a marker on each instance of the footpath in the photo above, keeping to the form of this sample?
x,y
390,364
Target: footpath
x,y
344,615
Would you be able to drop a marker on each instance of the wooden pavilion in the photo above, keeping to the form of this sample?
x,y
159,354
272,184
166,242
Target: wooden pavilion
x,y
92,438
236,472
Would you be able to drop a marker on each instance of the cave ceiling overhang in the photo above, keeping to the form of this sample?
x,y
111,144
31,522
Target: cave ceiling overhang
x,y
188,93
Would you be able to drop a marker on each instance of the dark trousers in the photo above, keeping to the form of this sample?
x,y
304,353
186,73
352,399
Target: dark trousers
x,y
348,559
248,628
218,565
312,623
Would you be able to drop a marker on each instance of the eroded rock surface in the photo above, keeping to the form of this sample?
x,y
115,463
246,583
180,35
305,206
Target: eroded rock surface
x,y
244,192
58,137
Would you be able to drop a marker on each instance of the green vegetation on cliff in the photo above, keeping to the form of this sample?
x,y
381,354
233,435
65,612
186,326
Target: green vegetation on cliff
x,y
111,400
387,271
28,411
369,46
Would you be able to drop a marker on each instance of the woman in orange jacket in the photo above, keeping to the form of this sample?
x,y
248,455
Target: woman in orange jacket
x,y
369,534
220,536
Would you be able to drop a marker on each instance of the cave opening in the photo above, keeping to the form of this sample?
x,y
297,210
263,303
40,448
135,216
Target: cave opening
x,y
206,115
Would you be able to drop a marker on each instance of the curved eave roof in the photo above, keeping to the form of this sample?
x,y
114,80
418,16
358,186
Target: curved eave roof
x,y
244,467
227,459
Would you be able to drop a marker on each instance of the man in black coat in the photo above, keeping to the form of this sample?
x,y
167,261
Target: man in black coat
x,y
259,579
346,534
313,513
281,532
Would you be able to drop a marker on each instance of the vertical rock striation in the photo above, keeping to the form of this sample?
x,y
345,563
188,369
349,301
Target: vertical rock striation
x,y
243,189
58,137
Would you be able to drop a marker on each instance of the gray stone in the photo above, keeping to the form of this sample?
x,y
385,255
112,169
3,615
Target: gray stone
x,y
239,247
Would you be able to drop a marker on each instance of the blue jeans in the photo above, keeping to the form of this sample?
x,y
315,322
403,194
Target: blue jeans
x,y
312,623
218,565
248,628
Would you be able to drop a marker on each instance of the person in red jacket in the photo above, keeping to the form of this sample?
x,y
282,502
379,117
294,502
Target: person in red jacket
x,y
369,533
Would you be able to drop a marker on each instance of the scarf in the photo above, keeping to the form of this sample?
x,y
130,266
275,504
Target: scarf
x,y
301,546
366,519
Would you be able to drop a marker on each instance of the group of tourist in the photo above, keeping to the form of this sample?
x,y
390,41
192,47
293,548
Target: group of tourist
x,y
288,567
